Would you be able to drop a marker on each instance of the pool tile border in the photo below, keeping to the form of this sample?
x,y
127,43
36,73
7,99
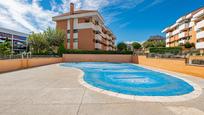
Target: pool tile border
x,y
196,93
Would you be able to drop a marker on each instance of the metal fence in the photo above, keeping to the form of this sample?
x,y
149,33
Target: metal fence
x,y
172,56
26,56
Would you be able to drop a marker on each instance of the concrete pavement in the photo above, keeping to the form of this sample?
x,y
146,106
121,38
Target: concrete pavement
x,y
52,90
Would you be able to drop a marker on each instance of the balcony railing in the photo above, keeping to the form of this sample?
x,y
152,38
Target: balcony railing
x,y
98,37
200,45
191,24
98,45
182,42
175,32
167,40
200,13
200,25
182,35
168,35
200,35
183,27
89,25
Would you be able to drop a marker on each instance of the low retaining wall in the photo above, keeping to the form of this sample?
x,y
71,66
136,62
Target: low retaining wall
x,y
191,58
16,64
176,65
97,58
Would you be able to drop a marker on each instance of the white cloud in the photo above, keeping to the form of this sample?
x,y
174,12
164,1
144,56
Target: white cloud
x,y
29,15
155,2
22,15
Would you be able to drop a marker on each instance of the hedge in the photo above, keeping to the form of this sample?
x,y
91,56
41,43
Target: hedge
x,y
164,50
95,52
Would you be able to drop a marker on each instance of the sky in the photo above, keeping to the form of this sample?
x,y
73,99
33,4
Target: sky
x,y
130,20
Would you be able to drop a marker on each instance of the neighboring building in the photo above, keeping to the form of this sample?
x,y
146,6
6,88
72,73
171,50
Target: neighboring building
x,y
85,30
188,28
18,39
129,46
156,38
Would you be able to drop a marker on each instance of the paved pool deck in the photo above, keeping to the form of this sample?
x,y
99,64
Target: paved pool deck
x,y
52,90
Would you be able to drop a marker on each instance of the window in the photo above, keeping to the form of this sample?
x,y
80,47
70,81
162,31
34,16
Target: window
x,y
75,39
98,32
87,20
68,43
75,31
97,23
97,41
75,43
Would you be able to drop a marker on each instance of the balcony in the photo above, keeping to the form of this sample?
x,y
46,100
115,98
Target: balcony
x,y
200,13
200,45
89,25
182,35
98,37
191,24
168,35
183,27
180,19
182,42
200,25
175,32
200,35
97,27
167,40
98,45
189,16
103,35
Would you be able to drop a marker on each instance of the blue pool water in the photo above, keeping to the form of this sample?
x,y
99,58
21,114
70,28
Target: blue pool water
x,y
130,79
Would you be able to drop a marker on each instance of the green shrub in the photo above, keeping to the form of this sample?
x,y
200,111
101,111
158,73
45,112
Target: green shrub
x,y
5,48
163,50
188,45
95,52
61,50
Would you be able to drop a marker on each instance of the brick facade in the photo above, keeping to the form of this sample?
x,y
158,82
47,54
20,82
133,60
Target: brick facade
x,y
85,30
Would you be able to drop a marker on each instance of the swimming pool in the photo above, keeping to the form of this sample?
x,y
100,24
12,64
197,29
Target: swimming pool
x,y
129,79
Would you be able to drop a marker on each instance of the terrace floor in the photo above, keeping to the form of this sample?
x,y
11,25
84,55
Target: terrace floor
x,y
52,90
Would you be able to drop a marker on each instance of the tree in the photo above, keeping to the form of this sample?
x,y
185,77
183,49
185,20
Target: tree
x,y
136,45
160,44
47,42
155,41
61,50
38,43
148,44
5,48
122,46
55,38
188,45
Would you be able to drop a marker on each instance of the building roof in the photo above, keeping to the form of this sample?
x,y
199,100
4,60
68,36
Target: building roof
x,y
15,32
156,38
76,12
182,18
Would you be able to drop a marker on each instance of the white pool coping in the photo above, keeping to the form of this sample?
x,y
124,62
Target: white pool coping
x,y
194,94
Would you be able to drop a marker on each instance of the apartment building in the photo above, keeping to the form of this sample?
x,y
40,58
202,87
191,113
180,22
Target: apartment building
x,y
85,30
18,39
188,28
